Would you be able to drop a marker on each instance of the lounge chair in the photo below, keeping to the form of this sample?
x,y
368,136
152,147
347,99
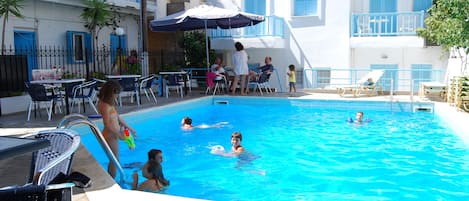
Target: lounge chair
x,y
46,165
366,84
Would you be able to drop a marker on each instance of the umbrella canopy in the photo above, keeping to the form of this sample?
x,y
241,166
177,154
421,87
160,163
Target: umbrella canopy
x,y
205,16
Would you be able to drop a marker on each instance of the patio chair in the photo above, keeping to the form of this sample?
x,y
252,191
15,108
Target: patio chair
x,y
366,84
262,82
129,85
47,164
174,83
38,94
146,87
31,192
215,83
84,92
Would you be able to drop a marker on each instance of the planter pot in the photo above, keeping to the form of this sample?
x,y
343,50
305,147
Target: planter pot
x,y
14,104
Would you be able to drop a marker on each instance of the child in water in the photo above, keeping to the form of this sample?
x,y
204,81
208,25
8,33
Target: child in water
x,y
153,171
186,124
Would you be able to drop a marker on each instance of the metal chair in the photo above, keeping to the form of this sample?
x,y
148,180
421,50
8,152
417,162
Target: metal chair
x,y
86,91
262,82
129,85
46,165
145,86
173,83
38,94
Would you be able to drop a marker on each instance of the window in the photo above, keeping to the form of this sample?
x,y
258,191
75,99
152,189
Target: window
x,y
422,5
305,7
421,73
77,44
324,78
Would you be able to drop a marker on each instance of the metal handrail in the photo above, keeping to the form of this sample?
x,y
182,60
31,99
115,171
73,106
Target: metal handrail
x,y
66,122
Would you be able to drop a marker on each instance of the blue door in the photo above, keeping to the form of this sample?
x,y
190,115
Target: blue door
x,y
383,24
421,73
25,44
116,42
255,7
390,73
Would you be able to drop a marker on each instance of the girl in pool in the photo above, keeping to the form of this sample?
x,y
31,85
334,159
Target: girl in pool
x,y
113,123
186,124
153,171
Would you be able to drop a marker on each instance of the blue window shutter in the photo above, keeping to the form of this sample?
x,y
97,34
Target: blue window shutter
x,y
420,5
89,47
305,7
70,47
123,39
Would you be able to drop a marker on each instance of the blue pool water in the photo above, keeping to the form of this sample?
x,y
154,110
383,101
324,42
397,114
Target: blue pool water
x,y
304,150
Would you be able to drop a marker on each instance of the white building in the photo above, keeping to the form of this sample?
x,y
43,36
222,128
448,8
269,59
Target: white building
x,y
328,40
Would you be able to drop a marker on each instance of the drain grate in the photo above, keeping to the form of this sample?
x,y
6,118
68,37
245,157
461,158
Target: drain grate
x,y
222,102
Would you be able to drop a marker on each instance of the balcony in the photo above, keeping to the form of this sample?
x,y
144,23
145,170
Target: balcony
x,y
135,4
386,29
386,24
267,34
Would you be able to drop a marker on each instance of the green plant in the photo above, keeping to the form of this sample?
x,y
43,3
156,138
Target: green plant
x,y
193,44
448,24
8,7
134,69
98,75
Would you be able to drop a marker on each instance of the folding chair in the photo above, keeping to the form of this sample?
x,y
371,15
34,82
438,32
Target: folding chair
x,y
38,94
145,86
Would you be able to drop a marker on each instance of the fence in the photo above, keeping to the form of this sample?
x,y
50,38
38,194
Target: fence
x,y
16,65
13,74
402,80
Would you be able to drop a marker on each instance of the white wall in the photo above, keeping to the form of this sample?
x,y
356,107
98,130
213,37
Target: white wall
x,y
52,20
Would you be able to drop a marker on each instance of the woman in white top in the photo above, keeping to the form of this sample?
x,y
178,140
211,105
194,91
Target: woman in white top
x,y
240,64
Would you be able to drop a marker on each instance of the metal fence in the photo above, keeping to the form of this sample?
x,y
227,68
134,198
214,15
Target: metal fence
x,y
21,61
397,80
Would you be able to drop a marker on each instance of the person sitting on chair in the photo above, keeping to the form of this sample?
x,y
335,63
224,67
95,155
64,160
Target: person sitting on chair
x,y
217,68
267,68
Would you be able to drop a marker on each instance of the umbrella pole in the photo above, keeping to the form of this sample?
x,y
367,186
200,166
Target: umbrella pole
x,y
206,47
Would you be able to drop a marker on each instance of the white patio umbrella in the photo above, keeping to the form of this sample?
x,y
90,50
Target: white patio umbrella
x,y
205,17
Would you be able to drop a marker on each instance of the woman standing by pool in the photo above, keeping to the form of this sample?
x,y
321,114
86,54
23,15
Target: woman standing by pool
x,y
113,123
240,64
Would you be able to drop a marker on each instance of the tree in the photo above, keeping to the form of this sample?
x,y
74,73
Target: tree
x,y
8,7
97,15
448,25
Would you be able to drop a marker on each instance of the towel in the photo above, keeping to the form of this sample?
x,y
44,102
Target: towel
x,y
210,77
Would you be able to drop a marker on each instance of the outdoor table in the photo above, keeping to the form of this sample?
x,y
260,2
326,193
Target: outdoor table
x,y
160,80
12,146
65,83
122,76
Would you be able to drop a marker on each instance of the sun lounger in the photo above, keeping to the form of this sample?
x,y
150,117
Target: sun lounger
x,y
367,84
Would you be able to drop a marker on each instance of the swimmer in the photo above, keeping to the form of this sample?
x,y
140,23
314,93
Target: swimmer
x,y
358,119
236,148
186,124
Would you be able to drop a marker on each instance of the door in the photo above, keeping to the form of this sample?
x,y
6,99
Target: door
x,y
390,74
118,42
256,7
383,24
25,44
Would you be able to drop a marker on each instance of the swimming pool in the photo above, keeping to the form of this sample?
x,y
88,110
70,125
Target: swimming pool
x,y
304,150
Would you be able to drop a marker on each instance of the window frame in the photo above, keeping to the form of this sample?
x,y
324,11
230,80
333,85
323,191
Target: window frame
x,y
304,14
86,41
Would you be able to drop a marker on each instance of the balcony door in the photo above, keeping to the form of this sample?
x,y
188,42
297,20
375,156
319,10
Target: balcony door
x,y
381,23
256,7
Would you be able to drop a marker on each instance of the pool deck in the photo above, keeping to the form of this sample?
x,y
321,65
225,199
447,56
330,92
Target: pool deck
x,y
15,170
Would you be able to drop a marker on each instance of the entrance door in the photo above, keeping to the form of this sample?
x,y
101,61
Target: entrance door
x,y
380,23
118,42
25,44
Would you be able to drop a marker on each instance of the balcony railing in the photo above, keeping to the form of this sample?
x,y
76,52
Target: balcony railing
x,y
386,24
272,26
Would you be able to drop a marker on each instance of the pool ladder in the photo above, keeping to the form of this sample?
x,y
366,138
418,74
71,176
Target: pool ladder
x,y
68,122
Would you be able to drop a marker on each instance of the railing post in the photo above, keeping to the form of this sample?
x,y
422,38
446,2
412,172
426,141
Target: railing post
x,y
411,90
392,89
